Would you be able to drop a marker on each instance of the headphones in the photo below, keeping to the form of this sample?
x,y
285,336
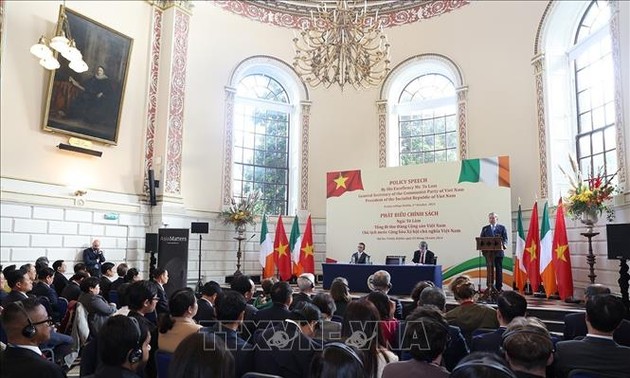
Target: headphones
x,y
135,355
484,362
29,331
346,349
534,331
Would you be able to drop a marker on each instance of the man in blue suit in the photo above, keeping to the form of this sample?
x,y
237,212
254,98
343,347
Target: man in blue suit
x,y
360,257
490,230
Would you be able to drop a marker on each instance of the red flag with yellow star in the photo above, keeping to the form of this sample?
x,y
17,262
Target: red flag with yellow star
x,y
531,256
281,252
340,182
561,255
307,260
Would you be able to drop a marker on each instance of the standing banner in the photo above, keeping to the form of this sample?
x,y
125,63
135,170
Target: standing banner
x,y
173,256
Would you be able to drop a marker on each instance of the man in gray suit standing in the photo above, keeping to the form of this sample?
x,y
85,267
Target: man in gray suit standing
x,y
597,352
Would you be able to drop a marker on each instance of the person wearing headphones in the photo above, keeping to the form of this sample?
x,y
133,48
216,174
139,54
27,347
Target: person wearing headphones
x,y
306,285
27,325
124,345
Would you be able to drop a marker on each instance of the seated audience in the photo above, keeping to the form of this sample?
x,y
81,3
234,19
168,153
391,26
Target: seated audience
x,y
288,348
20,284
80,267
160,277
41,263
230,307
206,312
456,348
43,288
177,325
243,284
388,326
72,291
60,281
96,306
281,296
426,338
132,275
3,293
142,297
124,345
528,347
415,296
306,287
340,291
327,329
482,365
469,315
382,281
264,301
575,324
27,325
121,270
30,270
510,304
107,277
337,360
597,352
201,356
360,330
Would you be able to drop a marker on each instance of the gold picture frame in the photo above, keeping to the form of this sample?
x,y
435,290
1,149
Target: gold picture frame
x,y
89,104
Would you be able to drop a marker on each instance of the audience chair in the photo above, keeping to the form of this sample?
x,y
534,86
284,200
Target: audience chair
x,y
162,362
62,305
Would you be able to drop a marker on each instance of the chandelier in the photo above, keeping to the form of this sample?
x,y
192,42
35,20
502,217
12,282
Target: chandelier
x,y
62,43
342,46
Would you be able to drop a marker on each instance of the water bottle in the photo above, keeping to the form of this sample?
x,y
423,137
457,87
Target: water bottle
x,y
368,262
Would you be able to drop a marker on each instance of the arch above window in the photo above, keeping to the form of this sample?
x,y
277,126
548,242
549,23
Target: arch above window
x,y
422,112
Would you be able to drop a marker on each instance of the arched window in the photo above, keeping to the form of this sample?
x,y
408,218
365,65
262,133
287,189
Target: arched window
x,y
579,76
423,102
266,135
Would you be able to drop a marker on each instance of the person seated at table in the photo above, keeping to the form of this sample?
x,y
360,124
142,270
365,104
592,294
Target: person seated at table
x,y
423,255
360,257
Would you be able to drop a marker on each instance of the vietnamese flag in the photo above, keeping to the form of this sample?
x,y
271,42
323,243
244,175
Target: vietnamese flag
x,y
337,183
531,255
281,251
561,255
307,260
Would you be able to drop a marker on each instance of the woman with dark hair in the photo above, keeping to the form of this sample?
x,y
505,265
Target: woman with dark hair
x,y
340,292
179,324
338,360
360,329
469,315
482,365
96,306
201,355
124,346
132,275
385,306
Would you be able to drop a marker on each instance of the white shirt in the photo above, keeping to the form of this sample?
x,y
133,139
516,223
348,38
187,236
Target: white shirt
x,y
32,348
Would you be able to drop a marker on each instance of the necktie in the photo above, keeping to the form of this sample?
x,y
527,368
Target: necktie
x,y
492,228
422,257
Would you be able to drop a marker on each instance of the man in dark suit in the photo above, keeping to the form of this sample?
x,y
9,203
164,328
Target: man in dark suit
x,y
281,296
306,285
27,325
423,255
160,277
575,324
360,257
496,264
93,257
60,281
107,277
43,288
72,290
20,283
230,306
597,352
206,311
510,304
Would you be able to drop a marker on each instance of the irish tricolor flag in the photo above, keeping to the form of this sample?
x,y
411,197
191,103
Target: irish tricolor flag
x,y
493,171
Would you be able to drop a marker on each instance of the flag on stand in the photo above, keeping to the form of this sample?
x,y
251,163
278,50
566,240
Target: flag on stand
x,y
561,255
532,249
337,183
282,252
307,259
295,241
266,251
520,273
547,272
493,171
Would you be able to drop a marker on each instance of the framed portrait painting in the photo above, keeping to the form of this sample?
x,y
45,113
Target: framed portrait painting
x,y
88,104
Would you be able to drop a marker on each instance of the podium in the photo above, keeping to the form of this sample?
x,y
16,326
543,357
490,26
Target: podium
x,y
489,247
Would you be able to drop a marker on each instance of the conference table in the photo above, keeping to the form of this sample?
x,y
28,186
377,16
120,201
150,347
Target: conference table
x,y
404,277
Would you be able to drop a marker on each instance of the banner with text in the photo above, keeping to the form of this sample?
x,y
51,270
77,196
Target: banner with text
x,y
392,209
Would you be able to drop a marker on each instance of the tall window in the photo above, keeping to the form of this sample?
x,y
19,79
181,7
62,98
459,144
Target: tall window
x,y
261,141
423,124
427,128
592,62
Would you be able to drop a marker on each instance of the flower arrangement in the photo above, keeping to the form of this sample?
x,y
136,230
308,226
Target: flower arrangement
x,y
589,196
244,211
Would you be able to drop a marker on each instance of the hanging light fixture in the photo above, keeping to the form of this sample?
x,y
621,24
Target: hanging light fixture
x,y
342,46
62,43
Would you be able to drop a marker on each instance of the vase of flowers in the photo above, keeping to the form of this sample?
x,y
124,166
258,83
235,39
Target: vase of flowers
x,y
589,198
243,212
